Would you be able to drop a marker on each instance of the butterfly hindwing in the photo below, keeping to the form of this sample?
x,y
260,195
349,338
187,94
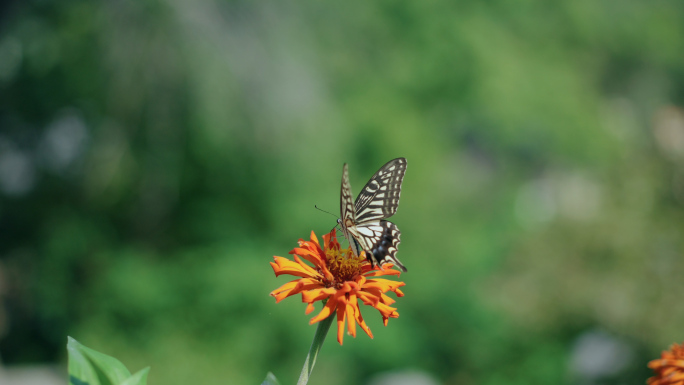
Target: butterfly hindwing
x,y
380,239
363,222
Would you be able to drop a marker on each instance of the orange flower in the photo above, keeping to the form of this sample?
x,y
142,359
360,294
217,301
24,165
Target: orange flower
x,y
340,278
669,368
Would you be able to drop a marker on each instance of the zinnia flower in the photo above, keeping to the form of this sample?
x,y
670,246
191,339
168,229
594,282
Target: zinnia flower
x,y
669,368
340,278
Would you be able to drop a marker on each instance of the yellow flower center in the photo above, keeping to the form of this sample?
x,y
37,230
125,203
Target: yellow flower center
x,y
343,265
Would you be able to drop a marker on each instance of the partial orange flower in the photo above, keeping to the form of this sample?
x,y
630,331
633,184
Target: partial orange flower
x,y
669,368
340,278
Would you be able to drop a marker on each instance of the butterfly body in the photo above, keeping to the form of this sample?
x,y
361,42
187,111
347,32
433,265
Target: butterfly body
x,y
364,221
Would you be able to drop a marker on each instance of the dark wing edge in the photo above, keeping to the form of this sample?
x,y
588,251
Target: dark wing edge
x,y
384,250
379,198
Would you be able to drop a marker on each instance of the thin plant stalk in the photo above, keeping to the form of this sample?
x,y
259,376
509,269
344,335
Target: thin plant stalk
x,y
319,337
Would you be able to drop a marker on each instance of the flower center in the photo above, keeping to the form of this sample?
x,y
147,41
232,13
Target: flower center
x,y
343,265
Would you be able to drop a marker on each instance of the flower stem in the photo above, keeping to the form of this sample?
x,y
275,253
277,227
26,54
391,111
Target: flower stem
x,y
319,337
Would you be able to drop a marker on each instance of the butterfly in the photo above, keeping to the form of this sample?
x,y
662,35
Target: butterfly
x,y
363,222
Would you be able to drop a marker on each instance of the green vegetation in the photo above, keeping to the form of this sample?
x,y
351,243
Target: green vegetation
x,y
155,155
87,366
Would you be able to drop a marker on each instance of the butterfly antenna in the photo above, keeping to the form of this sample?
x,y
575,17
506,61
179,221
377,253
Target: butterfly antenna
x,y
318,208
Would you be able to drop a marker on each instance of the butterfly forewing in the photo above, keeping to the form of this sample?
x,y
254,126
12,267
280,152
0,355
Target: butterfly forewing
x,y
346,201
362,222
379,198
347,210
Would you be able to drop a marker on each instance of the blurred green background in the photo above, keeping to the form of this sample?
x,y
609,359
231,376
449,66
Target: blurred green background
x,y
155,155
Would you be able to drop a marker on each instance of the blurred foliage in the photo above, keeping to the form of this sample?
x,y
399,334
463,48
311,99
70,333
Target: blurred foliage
x,y
155,155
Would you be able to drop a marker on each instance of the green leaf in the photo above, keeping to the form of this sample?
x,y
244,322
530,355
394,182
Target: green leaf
x,y
270,380
140,378
81,372
90,367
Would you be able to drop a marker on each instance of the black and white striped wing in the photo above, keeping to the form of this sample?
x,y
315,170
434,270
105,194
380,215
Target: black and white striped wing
x,y
348,212
379,198
347,208
362,222
380,239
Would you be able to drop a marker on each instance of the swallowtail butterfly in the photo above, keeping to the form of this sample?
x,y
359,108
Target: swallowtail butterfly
x,y
363,221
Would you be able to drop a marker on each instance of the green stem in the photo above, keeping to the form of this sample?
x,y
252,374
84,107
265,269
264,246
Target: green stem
x,y
319,337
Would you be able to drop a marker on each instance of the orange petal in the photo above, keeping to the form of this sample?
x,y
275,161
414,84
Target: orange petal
x,y
351,308
660,363
340,323
294,287
368,298
327,274
371,292
286,266
655,364
330,240
305,285
314,247
389,266
384,285
309,255
325,312
362,323
305,267
309,308
317,294
349,286
314,238
286,287
333,244
387,311
384,298
327,237
379,273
